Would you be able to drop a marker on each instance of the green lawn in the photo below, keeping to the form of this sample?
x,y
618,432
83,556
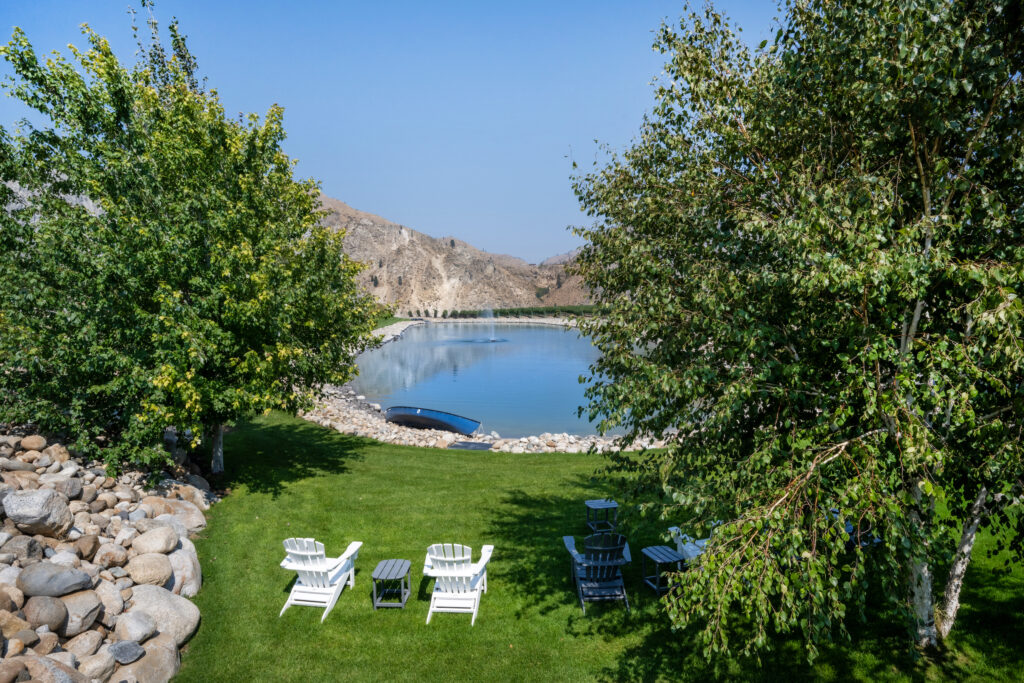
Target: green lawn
x,y
292,478
388,320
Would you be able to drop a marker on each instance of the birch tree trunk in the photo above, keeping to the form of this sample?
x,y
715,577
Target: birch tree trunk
x,y
951,601
217,449
922,602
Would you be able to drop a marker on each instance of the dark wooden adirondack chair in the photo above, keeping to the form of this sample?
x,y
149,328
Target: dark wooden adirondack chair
x,y
597,572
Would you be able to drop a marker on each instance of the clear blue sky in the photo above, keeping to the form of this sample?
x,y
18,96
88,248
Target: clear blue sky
x,y
453,118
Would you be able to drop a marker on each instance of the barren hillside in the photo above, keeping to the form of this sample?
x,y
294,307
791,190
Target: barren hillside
x,y
414,271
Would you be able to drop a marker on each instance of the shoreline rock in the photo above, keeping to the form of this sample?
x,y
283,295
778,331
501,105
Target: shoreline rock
x,y
342,410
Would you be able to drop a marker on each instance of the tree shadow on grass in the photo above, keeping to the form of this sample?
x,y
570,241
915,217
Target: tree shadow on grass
x,y
985,644
528,529
266,454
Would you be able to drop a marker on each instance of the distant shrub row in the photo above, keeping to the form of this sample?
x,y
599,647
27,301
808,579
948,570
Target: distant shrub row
x,y
529,311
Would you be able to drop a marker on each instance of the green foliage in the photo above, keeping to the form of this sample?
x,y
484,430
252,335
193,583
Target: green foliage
x,y
811,265
541,292
161,267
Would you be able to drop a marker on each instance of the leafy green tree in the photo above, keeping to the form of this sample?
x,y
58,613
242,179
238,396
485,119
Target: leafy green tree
x,y
161,265
811,266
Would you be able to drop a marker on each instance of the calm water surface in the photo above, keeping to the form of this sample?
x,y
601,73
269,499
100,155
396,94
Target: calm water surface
x,y
524,382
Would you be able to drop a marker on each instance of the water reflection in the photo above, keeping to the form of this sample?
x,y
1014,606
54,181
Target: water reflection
x,y
421,353
524,382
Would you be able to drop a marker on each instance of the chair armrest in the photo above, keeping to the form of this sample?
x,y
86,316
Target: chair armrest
x,y
485,557
352,551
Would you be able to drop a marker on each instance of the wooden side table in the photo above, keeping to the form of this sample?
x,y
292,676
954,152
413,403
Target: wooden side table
x,y
659,555
602,515
391,578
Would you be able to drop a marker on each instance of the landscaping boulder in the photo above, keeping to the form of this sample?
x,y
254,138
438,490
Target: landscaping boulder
x,y
23,548
87,546
83,608
97,667
135,625
48,642
27,636
110,555
113,604
160,663
190,515
41,511
70,487
159,540
16,465
84,644
35,442
11,670
43,578
126,651
15,595
173,614
151,568
10,624
43,610
50,669
58,452
188,574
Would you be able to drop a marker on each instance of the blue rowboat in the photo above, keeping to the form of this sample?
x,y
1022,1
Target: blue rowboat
x,y
425,418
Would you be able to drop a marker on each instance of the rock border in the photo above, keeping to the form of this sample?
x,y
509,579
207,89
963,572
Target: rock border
x,y
95,572
342,410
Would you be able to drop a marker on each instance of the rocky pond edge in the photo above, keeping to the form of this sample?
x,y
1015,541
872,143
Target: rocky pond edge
x,y
342,409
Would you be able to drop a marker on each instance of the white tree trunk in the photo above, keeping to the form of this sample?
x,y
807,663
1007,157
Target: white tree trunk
x,y
217,449
951,601
926,636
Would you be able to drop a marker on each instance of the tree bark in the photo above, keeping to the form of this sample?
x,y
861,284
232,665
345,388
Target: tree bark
x,y
922,602
951,601
217,449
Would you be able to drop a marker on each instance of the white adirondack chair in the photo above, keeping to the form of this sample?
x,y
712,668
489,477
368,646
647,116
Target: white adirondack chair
x,y
320,578
458,582
688,547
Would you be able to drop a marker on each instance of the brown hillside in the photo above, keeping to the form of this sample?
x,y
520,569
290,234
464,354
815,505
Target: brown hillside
x,y
414,271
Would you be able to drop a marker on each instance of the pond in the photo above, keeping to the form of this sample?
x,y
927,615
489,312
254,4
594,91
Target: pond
x,y
516,380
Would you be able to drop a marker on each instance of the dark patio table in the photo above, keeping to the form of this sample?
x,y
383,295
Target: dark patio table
x,y
391,578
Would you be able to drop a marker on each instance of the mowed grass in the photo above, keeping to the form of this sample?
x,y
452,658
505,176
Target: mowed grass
x,y
292,478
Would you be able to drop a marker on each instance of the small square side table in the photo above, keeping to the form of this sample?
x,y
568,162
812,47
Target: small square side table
x,y
391,578
602,515
659,555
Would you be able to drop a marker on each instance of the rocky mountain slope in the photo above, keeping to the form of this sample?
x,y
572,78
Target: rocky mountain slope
x,y
414,271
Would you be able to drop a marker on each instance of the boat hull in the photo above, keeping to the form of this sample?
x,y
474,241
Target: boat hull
x,y
425,418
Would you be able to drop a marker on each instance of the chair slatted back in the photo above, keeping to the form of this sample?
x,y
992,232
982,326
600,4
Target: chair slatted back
x,y
451,551
452,558
454,574
604,555
308,554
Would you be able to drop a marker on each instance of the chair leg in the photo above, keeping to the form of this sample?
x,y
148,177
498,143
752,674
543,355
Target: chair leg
x,y
287,604
334,600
